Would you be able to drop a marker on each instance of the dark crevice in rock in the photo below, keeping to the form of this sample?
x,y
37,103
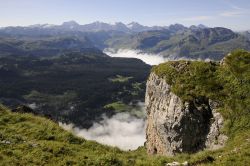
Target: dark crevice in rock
x,y
175,126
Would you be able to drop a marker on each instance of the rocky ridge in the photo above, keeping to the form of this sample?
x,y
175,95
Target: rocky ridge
x,y
175,126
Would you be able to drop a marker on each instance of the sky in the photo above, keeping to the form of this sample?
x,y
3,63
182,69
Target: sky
x,y
234,14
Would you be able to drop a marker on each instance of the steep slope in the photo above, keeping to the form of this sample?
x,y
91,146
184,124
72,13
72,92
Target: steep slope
x,y
193,105
177,126
142,40
30,140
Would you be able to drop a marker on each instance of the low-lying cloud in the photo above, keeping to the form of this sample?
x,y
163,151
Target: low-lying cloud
x,y
151,59
122,130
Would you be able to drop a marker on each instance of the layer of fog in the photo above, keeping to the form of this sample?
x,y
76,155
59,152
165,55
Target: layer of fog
x,y
151,59
123,130
33,106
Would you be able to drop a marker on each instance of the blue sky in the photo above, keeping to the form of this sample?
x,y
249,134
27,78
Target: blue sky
x,y
234,14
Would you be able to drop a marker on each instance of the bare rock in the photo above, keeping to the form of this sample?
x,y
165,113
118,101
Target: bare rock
x,y
174,126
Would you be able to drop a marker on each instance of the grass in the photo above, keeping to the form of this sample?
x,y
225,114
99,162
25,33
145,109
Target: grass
x,y
35,140
118,106
26,139
120,79
229,85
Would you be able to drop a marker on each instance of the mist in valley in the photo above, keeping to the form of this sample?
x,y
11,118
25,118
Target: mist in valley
x,y
123,130
151,59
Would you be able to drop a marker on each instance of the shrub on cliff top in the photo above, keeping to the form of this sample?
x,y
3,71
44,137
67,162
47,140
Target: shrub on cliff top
x,y
190,79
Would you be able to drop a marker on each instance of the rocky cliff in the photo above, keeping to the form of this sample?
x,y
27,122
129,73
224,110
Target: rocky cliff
x,y
176,126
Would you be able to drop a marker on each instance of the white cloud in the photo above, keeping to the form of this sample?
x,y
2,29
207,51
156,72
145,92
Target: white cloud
x,y
151,59
121,130
237,7
232,13
234,10
33,106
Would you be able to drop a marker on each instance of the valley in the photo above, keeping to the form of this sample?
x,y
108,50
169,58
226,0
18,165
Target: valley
x,y
29,139
41,82
112,83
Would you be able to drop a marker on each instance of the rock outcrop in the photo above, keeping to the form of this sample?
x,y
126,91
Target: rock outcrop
x,y
175,126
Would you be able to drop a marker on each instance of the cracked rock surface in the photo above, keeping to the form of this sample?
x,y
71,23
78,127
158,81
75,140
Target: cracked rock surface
x,y
174,126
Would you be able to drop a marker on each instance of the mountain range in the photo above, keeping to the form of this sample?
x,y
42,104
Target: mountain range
x,y
172,42
97,26
92,27
185,43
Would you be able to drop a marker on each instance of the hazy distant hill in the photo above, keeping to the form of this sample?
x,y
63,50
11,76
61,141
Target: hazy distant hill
x,y
181,42
246,34
49,46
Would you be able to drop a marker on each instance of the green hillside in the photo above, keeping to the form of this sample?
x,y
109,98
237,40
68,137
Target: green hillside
x,y
26,139
29,140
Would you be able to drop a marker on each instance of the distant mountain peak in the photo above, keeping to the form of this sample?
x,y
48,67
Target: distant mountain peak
x,y
136,27
41,26
121,27
202,26
71,24
133,24
99,23
120,24
177,27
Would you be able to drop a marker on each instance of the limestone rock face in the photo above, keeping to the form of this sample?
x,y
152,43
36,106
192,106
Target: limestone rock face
x,y
174,126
